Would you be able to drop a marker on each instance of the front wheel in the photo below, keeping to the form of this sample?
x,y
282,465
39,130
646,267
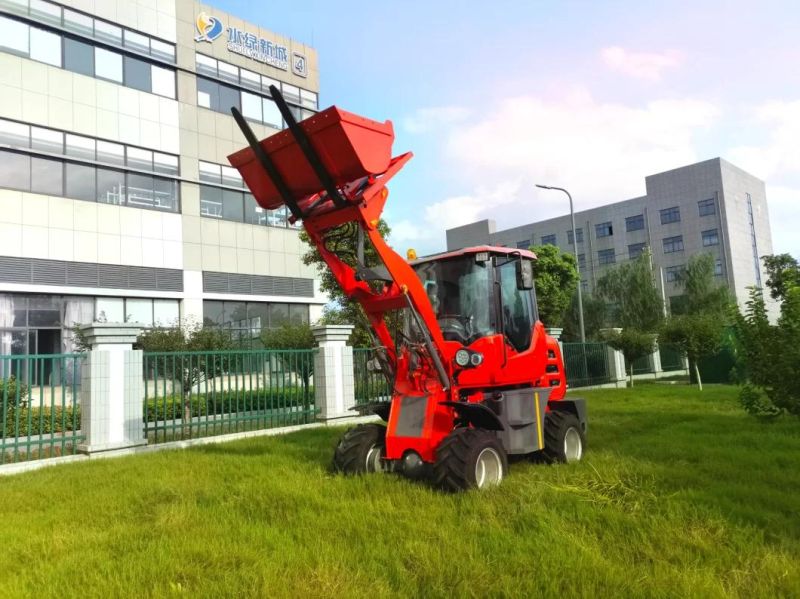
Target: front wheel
x,y
469,458
564,439
360,450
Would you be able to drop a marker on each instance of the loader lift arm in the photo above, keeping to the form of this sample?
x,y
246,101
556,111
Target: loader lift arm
x,y
324,201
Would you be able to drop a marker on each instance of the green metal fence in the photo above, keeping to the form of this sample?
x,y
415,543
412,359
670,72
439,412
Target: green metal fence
x,y
643,365
200,394
586,364
39,406
671,359
370,385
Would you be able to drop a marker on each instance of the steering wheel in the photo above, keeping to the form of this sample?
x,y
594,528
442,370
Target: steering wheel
x,y
456,325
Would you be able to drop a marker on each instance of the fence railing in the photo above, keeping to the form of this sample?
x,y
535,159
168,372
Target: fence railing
x,y
586,364
671,359
370,385
199,394
39,406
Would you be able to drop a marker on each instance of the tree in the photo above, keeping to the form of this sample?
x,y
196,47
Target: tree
x,y
342,241
635,305
594,318
698,321
293,337
769,354
783,273
555,277
188,369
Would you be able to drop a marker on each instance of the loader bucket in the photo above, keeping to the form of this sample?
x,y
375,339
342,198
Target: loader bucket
x,y
349,147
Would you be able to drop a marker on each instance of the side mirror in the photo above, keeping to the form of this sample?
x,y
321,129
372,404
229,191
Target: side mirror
x,y
524,274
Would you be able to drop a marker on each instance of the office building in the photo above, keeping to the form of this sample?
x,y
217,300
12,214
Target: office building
x,y
116,199
709,207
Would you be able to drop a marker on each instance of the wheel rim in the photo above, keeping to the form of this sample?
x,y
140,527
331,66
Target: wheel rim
x,y
488,468
373,462
573,447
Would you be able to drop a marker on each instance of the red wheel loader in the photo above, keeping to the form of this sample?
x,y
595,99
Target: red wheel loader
x,y
474,378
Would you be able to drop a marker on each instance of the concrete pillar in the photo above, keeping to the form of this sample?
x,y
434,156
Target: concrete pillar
x,y
112,388
616,363
655,362
334,381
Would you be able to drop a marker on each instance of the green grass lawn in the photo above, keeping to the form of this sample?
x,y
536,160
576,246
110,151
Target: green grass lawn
x,y
680,494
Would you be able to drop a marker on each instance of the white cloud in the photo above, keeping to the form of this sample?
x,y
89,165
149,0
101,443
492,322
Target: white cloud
x,y
640,65
600,151
779,156
425,120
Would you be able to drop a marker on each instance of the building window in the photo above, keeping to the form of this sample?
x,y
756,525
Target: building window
x,y
718,267
571,237
706,207
220,95
606,257
548,240
524,244
635,250
585,286
710,237
673,274
84,57
582,261
673,244
670,215
603,230
148,312
246,320
634,223
82,175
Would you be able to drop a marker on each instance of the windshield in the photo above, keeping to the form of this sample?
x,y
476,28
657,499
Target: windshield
x,y
459,291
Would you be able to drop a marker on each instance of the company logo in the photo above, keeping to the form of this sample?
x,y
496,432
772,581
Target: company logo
x,y
208,28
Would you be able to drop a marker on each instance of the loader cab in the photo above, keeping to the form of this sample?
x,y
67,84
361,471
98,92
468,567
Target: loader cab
x,y
477,292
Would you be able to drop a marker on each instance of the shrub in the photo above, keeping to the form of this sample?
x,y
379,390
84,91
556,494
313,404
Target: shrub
x,y
228,402
757,404
13,393
43,421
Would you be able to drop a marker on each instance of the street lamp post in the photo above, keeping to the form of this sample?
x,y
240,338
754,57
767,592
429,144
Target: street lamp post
x,y
577,262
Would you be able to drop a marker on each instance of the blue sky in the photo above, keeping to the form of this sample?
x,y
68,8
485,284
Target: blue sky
x,y
494,96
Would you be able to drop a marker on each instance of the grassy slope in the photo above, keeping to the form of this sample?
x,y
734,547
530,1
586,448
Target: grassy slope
x,y
680,495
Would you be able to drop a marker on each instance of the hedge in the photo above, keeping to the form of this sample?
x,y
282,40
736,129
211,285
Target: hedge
x,y
43,421
228,402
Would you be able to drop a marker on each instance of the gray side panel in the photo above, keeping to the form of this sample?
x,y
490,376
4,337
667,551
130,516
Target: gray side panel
x,y
522,413
412,416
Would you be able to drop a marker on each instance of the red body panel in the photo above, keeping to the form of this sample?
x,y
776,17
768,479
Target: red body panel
x,y
356,151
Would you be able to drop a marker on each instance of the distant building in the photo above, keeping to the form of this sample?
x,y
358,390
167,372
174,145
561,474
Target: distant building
x,y
709,207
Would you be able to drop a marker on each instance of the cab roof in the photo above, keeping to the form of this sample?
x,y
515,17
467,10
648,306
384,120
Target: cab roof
x,y
475,250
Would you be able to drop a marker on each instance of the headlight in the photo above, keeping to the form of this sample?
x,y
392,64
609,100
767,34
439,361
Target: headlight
x,y
476,359
462,357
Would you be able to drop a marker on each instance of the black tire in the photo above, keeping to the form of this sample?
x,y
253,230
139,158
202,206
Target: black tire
x,y
457,457
560,437
355,452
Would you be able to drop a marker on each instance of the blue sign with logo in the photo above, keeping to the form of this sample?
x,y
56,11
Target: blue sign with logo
x,y
208,28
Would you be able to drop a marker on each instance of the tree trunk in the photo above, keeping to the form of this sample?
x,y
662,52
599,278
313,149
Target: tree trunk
x,y
697,374
187,413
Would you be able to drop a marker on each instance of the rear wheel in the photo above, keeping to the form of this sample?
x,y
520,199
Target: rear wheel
x,y
360,450
469,458
564,439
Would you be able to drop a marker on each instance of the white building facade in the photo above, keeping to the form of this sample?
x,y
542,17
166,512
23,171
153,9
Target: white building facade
x,y
117,202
